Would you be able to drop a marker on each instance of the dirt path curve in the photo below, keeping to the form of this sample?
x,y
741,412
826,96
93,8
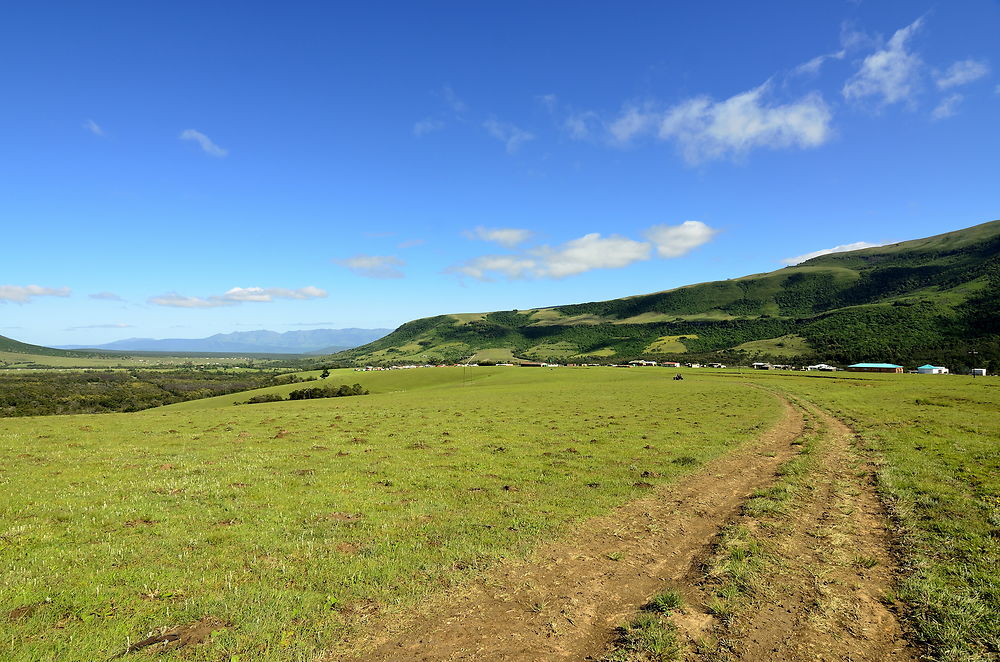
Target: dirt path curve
x,y
565,602
833,564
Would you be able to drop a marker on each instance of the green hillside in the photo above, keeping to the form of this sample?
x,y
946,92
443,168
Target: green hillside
x,y
932,299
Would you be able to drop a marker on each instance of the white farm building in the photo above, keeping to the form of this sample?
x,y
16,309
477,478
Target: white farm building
x,y
932,370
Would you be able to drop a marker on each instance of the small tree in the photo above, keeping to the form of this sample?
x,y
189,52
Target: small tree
x,y
325,373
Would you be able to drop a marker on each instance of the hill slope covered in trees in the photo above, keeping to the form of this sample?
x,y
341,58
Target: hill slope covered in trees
x,y
926,300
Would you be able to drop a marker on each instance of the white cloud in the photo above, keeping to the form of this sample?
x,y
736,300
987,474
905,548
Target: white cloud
x,y
962,73
25,293
425,126
891,73
591,251
586,253
411,243
453,101
858,245
204,142
677,240
947,107
265,294
509,237
94,128
237,295
707,129
105,296
512,136
374,266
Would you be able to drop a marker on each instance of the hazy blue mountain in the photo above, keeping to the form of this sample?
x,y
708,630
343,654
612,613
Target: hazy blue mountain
x,y
261,342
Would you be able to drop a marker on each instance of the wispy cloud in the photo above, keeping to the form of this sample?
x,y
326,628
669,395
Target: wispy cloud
x,y
813,66
586,253
947,107
548,101
512,136
891,74
857,245
94,128
962,73
236,296
25,293
105,296
204,142
374,266
100,326
453,100
411,243
580,125
425,126
509,237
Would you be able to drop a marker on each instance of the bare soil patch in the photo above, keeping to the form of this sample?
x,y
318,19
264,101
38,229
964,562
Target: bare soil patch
x,y
565,602
180,636
824,600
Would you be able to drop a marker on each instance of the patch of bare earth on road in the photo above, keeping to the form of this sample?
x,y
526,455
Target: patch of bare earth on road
x,y
828,569
565,602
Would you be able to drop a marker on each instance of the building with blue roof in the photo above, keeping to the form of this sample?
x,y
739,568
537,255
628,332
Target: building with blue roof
x,y
932,370
875,367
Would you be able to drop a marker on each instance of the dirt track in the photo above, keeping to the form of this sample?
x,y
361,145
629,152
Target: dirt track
x,y
565,602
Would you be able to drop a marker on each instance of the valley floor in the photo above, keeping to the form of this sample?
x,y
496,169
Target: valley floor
x,y
513,514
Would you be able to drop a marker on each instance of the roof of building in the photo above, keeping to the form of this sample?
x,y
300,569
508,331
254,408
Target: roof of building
x,y
875,365
928,366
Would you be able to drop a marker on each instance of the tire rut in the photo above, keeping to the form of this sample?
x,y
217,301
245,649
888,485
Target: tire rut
x,y
832,567
565,602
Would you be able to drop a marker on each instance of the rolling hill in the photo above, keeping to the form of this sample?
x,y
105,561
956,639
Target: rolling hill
x,y
932,299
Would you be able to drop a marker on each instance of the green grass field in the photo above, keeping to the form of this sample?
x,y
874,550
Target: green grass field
x,y
298,524
290,520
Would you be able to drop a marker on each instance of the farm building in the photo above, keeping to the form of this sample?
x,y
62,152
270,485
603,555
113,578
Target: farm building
x,y
932,370
642,363
979,372
670,364
821,366
761,366
875,367
531,364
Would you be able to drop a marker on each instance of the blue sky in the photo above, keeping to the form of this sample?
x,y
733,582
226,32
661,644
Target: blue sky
x,y
181,169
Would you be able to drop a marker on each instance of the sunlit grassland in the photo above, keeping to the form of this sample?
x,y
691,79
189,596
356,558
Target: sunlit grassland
x,y
19,361
937,441
295,521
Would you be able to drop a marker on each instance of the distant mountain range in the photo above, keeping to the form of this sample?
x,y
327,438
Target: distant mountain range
x,y
932,300
315,341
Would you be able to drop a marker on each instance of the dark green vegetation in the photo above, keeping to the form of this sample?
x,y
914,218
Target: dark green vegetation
x,y
928,300
327,392
37,393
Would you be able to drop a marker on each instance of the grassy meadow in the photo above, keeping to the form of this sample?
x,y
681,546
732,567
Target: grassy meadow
x,y
297,522
300,524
